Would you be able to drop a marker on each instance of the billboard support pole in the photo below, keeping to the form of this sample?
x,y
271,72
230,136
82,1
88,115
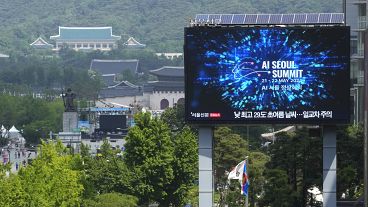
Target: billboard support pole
x,y
329,166
365,120
205,151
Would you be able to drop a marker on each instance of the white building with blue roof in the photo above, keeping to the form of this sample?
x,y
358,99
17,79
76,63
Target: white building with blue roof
x,y
86,38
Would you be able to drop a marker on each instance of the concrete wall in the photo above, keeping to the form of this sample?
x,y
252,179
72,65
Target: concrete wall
x,y
172,97
149,100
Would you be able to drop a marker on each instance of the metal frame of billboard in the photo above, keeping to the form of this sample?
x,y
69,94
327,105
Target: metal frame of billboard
x,y
329,135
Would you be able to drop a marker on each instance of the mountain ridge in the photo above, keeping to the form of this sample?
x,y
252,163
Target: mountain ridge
x,y
157,23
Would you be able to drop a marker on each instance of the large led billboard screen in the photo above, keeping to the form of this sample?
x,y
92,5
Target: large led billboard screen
x,y
246,75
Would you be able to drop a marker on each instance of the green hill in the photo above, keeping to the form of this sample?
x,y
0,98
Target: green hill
x,y
157,23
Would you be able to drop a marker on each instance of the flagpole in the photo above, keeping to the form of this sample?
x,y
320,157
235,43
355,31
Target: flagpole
x,y
246,197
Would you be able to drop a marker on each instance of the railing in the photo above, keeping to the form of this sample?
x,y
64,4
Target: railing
x,y
362,22
360,77
360,51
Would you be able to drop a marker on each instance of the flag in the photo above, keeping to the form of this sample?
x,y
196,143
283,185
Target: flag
x,y
239,172
236,172
244,181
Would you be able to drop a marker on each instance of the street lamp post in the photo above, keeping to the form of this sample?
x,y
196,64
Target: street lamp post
x,y
8,154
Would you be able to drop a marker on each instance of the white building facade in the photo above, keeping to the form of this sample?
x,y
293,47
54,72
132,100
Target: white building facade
x,y
85,38
155,95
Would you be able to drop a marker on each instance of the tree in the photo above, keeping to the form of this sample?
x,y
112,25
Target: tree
x,y
229,150
174,117
349,161
163,163
277,190
149,154
185,167
111,200
256,169
49,180
12,192
106,174
300,157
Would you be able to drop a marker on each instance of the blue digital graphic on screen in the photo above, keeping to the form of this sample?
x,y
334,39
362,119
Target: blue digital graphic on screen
x,y
296,75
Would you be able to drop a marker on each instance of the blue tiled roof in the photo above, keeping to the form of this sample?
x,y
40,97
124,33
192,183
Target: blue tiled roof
x,y
85,33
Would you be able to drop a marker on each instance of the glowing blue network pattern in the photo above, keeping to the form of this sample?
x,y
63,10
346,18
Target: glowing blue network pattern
x,y
232,72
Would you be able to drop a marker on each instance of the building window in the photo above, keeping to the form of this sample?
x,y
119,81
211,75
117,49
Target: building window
x,y
181,101
85,45
98,45
164,104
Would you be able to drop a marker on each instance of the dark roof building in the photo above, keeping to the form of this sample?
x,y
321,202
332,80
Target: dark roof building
x,y
121,89
40,43
164,86
156,95
114,66
109,80
86,38
169,79
169,73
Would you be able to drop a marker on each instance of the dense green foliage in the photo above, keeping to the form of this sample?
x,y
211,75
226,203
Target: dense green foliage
x,y
300,158
49,181
350,159
157,166
164,163
174,117
35,117
230,149
157,23
111,200
50,75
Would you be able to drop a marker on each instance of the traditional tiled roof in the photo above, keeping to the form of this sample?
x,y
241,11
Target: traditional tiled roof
x,y
124,84
114,66
41,44
169,71
109,80
164,86
121,89
131,42
85,33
